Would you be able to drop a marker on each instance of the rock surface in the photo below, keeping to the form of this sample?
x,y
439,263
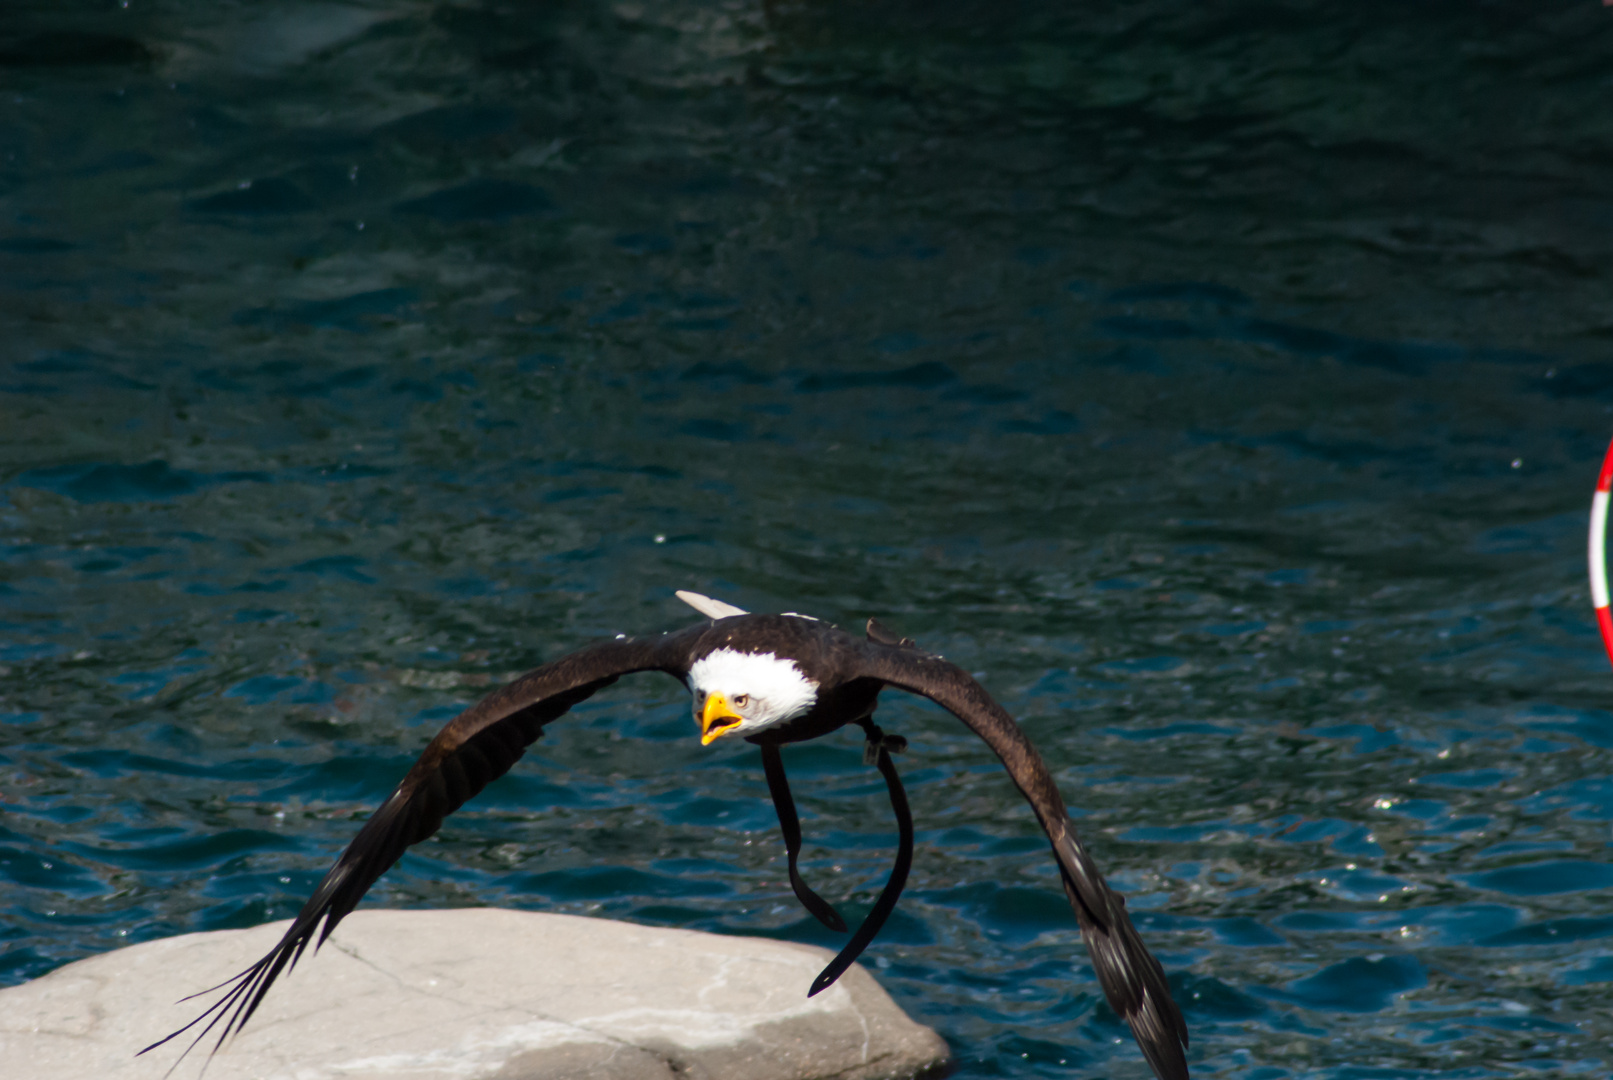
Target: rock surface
x,y
472,993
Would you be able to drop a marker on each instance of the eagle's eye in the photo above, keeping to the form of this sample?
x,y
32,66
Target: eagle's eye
x,y
741,700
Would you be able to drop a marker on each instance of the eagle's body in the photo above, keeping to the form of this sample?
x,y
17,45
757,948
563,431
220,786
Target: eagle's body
x,y
773,680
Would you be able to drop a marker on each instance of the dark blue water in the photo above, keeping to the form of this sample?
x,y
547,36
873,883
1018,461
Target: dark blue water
x,y
1224,383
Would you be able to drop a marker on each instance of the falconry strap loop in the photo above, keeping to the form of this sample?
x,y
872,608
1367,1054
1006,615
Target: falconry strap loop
x,y
790,825
871,925
877,740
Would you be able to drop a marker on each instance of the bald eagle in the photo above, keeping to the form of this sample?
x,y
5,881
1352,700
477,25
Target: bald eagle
x,y
770,680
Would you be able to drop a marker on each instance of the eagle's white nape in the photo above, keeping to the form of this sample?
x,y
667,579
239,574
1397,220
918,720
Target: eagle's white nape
x,y
778,690
711,609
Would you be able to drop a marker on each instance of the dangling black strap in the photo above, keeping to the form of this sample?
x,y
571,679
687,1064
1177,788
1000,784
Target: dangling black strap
x,y
881,746
784,803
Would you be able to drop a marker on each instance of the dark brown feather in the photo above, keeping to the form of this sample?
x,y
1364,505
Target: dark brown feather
x,y
472,750
1133,981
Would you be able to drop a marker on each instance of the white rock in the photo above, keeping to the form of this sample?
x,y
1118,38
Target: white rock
x,y
473,993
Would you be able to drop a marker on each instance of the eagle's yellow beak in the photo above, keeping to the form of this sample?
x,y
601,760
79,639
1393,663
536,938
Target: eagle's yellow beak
x,y
717,718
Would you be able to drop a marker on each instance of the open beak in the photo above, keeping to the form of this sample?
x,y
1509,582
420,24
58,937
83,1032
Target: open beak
x,y
716,719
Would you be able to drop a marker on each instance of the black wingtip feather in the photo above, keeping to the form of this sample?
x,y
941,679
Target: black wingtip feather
x,y
1132,980
371,854
1133,983
443,778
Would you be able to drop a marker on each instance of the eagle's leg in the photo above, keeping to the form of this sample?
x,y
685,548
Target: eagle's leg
x,y
879,747
790,825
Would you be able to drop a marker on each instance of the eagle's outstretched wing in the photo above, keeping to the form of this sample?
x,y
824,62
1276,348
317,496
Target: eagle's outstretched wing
x,y
475,748
1132,979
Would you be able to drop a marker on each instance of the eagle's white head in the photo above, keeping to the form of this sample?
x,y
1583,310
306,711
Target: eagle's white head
x,y
744,692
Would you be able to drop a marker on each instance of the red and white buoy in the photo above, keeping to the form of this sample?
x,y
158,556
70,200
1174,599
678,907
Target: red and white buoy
x,y
1598,553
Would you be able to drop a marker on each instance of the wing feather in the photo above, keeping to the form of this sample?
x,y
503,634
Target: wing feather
x,y
710,608
1133,981
472,750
